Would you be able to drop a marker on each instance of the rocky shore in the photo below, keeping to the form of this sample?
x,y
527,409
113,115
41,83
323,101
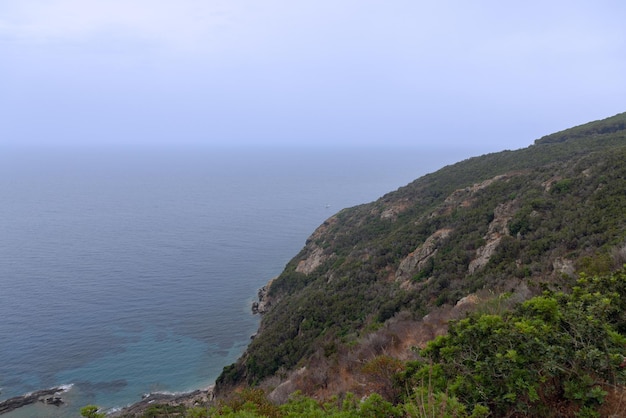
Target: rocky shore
x,y
189,400
50,396
197,397
264,301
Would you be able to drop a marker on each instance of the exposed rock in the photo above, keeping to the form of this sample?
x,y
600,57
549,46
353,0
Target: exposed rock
x,y
547,185
189,400
264,301
483,254
394,210
313,261
49,396
53,400
322,230
468,300
464,197
416,260
563,266
502,214
284,389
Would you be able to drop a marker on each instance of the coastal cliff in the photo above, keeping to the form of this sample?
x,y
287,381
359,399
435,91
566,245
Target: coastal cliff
x,y
510,223
490,246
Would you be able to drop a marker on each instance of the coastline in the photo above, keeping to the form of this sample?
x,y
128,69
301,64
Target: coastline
x,y
53,397
263,302
197,397
50,396
281,216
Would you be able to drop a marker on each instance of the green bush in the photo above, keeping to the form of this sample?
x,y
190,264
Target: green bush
x,y
553,348
91,411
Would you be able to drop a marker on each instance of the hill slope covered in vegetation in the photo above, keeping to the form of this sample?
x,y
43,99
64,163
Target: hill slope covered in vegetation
x,y
498,221
366,306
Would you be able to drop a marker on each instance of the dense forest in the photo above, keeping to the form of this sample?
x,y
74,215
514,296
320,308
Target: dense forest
x,y
492,287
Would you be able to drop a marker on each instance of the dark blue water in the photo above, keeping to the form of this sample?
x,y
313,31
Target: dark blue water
x,y
127,271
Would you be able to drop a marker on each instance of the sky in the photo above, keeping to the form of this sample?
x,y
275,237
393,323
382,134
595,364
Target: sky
x,y
490,75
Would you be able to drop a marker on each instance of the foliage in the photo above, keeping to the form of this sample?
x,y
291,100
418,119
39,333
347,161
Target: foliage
x,y
559,199
253,403
91,411
556,349
249,402
159,410
556,354
197,412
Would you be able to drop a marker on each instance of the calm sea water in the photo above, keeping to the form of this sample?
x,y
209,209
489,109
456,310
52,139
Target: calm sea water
x,y
128,271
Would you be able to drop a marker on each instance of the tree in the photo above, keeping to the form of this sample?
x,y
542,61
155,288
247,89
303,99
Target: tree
x,y
91,411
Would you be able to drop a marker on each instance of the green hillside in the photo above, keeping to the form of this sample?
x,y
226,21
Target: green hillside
x,y
456,295
532,214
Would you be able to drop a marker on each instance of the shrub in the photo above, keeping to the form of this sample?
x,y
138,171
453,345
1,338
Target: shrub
x,y
556,347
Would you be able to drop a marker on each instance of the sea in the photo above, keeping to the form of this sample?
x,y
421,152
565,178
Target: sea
x,y
132,270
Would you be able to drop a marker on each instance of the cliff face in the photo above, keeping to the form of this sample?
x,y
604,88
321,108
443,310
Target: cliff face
x,y
386,276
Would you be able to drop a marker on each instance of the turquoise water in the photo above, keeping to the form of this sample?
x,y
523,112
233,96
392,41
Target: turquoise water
x,y
128,271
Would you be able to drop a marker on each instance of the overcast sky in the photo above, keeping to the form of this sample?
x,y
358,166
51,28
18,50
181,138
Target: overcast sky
x,y
489,74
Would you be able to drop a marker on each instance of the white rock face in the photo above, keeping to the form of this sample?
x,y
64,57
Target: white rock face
x,y
497,229
264,303
416,260
483,254
313,261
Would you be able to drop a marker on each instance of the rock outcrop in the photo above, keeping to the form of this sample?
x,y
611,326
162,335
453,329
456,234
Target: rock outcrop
x,y
264,302
50,396
313,261
416,260
196,398
497,229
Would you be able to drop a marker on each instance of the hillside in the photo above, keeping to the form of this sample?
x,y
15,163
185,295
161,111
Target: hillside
x,y
503,221
376,282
